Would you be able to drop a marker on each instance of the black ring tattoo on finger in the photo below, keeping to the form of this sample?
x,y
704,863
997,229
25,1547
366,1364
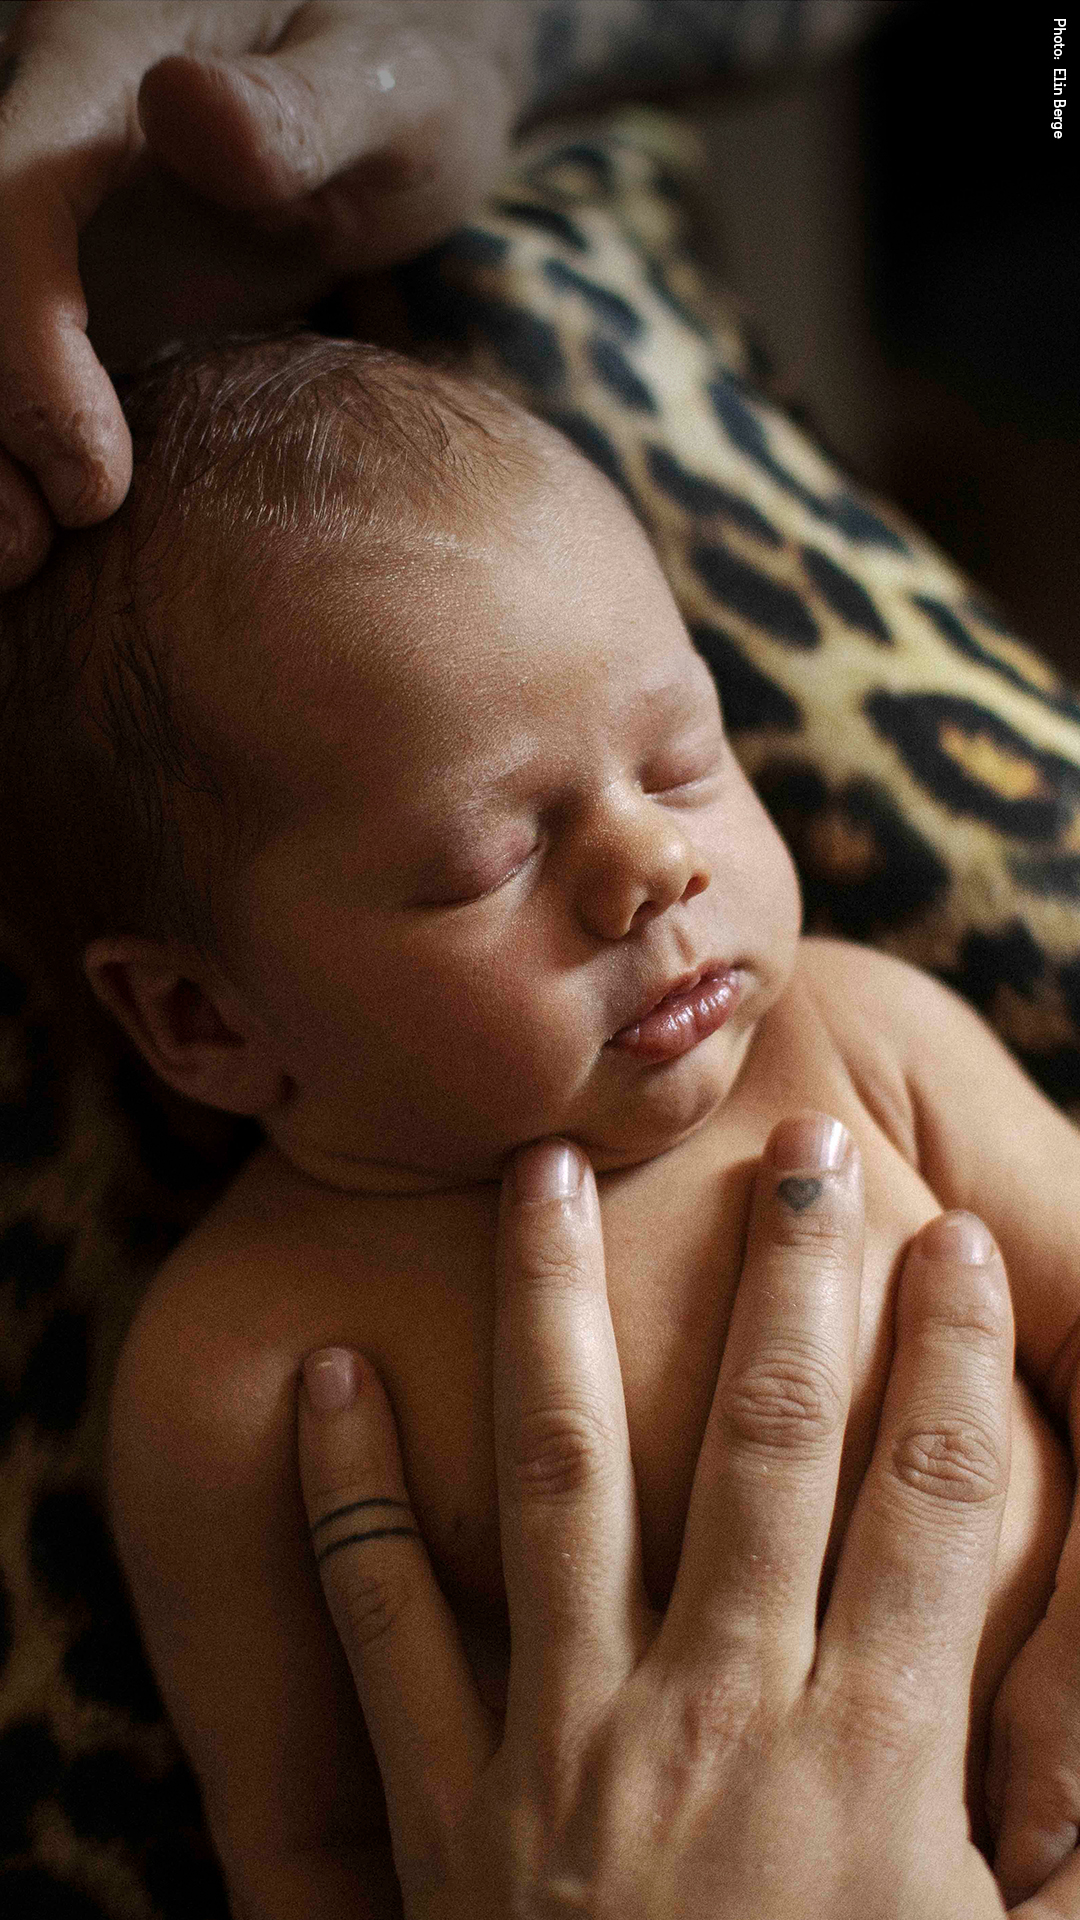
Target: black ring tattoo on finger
x,y
799,1191
355,1506
366,1533
370,1533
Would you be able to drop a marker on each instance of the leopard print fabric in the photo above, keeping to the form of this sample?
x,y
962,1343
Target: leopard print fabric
x,y
921,762
923,765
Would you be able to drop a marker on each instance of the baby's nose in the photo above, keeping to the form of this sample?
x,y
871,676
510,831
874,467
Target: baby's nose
x,y
643,865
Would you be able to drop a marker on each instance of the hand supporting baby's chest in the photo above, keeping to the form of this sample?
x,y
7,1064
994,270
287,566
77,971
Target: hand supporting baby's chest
x,y
674,1235
672,1281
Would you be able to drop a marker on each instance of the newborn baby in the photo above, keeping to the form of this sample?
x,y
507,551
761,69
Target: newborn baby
x,y
396,810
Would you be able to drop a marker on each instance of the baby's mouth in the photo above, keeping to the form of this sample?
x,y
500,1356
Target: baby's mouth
x,y
688,1013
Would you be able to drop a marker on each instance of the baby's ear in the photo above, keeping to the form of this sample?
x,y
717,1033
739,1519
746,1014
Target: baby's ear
x,y
193,1028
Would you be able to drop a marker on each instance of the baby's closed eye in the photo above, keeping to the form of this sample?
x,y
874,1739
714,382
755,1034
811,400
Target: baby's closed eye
x,y
685,766
466,874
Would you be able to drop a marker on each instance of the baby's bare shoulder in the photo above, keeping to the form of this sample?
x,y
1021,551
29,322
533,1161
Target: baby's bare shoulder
x,y
207,1376
864,971
877,1011
865,995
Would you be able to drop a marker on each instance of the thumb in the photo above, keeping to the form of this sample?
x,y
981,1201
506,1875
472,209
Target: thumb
x,y
376,135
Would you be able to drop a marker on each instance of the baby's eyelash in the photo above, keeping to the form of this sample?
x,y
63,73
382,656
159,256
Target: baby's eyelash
x,y
470,896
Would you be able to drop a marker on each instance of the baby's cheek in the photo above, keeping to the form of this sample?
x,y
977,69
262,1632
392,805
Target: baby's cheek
x,y
515,1056
1037,1509
764,889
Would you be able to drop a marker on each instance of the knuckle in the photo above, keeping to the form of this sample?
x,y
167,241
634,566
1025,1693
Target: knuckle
x,y
550,1262
955,1458
878,1708
286,153
70,447
970,1318
557,1450
986,1303
706,1720
788,1399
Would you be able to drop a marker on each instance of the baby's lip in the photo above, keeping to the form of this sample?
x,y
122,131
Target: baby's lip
x,y
683,1012
672,989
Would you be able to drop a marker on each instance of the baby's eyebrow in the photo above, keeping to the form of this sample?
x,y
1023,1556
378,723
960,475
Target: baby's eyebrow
x,y
468,789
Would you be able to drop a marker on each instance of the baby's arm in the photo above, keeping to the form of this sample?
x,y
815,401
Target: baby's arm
x,y
985,1138
211,1526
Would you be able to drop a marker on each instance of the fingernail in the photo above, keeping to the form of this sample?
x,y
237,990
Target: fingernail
x,y
330,1379
957,1236
548,1170
810,1141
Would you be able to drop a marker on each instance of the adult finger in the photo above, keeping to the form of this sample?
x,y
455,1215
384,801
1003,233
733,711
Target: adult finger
x,y
72,69
1034,1759
375,127
567,1505
68,135
60,420
765,1485
429,1729
911,1589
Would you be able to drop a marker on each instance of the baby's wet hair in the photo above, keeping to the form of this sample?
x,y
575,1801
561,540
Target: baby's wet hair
x,y
126,802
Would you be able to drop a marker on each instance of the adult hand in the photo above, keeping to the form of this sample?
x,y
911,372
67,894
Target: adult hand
x,y
733,1759
246,156
171,169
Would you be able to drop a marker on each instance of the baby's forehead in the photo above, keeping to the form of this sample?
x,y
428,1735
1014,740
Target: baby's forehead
x,y
319,643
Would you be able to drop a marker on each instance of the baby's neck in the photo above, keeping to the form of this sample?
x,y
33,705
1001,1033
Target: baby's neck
x,y
331,1166
334,1167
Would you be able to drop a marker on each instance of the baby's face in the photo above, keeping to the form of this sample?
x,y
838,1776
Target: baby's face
x,y
534,893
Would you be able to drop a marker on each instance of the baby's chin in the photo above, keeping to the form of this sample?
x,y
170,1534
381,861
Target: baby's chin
x,y
645,1135
658,1110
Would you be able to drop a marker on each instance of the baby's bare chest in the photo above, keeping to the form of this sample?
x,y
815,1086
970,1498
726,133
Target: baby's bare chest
x,y
414,1287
